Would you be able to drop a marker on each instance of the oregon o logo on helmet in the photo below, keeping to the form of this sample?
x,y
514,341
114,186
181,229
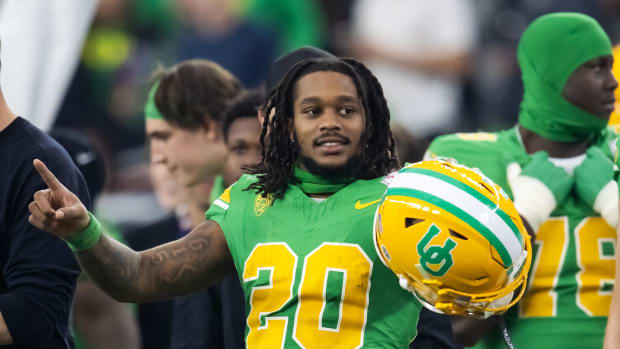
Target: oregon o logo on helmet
x,y
435,254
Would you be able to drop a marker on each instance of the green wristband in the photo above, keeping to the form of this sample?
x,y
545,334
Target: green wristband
x,y
87,238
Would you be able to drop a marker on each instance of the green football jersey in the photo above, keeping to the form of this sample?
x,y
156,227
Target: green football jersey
x,y
571,279
309,269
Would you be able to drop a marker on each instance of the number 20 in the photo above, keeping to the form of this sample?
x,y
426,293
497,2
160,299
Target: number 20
x,y
596,268
280,261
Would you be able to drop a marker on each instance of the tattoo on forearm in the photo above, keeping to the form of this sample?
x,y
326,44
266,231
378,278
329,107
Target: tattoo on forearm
x,y
179,267
180,263
113,267
194,245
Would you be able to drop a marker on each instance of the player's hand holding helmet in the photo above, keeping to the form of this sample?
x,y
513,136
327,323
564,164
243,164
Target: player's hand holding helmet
x,y
453,238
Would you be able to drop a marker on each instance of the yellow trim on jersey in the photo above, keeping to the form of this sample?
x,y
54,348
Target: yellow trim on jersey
x,y
224,200
225,196
478,136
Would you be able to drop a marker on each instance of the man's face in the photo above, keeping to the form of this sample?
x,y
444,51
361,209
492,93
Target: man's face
x,y
591,87
243,147
192,157
168,192
328,120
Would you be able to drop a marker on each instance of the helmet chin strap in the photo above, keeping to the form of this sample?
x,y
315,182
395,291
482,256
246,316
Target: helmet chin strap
x,y
505,334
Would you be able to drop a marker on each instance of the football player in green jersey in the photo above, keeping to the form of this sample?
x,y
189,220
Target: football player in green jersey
x,y
556,164
434,330
298,232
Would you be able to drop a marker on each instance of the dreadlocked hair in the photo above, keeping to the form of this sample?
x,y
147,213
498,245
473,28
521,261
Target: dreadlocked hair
x,y
278,151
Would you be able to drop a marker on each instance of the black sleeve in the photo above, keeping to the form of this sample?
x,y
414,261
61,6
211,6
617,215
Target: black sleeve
x,y
434,332
40,270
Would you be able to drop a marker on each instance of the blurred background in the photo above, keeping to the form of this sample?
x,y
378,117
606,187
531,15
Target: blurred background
x,y
84,66
445,66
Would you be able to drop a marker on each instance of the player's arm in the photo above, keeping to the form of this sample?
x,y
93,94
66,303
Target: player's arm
x,y
177,268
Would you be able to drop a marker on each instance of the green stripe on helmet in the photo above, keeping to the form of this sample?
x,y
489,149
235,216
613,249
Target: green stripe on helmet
x,y
462,215
483,199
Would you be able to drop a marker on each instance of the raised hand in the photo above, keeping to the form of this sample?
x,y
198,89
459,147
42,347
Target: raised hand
x,y
56,209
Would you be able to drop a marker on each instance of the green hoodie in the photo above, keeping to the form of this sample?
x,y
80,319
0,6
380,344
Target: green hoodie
x,y
549,51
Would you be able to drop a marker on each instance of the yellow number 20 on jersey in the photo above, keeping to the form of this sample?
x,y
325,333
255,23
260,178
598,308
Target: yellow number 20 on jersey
x,y
345,263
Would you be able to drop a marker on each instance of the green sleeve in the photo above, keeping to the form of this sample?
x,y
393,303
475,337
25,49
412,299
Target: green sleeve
x,y
485,151
219,213
228,210
464,147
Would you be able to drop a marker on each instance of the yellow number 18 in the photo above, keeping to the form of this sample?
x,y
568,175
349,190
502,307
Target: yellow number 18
x,y
595,246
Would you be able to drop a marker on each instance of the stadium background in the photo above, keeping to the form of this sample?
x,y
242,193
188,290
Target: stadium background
x,y
106,84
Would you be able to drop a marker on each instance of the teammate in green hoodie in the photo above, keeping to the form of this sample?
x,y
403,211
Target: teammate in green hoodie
x,y
557,166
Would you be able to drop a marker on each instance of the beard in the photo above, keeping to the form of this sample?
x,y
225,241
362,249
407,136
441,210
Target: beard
x,y
350,169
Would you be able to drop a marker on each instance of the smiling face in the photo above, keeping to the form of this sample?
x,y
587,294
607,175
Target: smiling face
x,y
168,192
591,87
192,157
328,122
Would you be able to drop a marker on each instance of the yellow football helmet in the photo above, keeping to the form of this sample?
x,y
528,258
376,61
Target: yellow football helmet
x,y
453,238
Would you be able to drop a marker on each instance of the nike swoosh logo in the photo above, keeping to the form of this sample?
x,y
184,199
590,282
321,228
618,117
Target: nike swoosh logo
x,y
359,205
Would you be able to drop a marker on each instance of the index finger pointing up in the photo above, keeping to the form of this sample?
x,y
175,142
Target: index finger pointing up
x,y
48,177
